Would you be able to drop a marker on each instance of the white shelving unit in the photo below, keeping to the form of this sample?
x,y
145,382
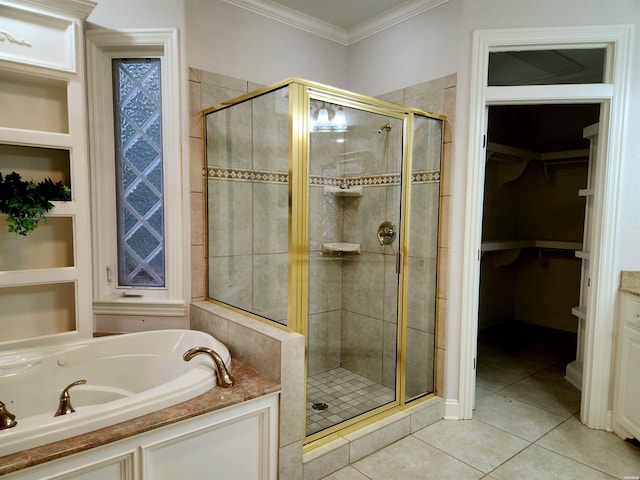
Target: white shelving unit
x,y
45,279
574,369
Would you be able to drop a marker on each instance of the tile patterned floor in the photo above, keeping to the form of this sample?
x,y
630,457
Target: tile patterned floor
x,y
347,395
525,425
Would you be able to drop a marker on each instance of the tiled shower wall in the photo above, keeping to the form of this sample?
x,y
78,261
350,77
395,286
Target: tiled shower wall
x,y
247,174
353,298
360,327
438,96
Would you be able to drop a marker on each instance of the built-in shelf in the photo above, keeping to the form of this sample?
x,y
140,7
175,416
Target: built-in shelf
x,y
341,248
579,311
499,245
506,252
513,161
582,254
586,192
344,192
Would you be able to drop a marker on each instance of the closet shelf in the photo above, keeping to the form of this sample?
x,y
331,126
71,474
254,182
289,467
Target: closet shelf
x,y
579,311
586,192
513,160
499,245
582,254
506,252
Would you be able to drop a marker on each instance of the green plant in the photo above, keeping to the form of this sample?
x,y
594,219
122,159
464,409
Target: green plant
x,y
26,202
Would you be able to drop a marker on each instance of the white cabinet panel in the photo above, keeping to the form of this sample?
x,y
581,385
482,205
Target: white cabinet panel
x,y
37,38
95,465
230,451
627,391
239,442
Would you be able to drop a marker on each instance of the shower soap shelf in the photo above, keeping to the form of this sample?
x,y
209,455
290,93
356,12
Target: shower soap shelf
x,y
344,192
340,248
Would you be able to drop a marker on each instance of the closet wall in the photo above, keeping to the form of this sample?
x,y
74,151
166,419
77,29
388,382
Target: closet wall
x,y
533,221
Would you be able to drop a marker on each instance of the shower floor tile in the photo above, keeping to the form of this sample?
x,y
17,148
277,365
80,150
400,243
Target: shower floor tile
x,y
346,394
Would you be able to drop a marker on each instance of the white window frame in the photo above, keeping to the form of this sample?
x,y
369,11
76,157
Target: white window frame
x,y
102,47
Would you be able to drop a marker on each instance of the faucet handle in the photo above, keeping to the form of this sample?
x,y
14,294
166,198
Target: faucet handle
x,y
7,419
65,406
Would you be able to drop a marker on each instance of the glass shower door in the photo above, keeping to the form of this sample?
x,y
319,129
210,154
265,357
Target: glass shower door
x,y
355,160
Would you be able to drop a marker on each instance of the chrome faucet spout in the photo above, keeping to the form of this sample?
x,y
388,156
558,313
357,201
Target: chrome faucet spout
x,y
7,419
225,380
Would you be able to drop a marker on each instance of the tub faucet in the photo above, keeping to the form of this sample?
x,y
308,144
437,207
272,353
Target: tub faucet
x,y
7,419
225,380
65,406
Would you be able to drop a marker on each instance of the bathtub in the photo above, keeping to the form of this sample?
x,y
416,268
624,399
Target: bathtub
x,y
126,376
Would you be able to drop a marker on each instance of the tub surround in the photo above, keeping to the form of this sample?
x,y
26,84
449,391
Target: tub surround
x,y
249,384
274,353
630,282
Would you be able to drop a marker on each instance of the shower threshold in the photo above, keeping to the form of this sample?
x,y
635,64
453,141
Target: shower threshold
x,y
346,395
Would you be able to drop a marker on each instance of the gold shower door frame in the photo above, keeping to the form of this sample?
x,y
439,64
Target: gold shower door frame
x,y
300,94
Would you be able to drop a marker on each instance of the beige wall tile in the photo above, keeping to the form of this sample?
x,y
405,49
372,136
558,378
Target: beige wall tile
x,y
361,345
198,272
443,272
270,286
197,219
196,165
446,172
324,341
326,459
230,219
195,110
225,81
389,354
374,437
441,333
445,221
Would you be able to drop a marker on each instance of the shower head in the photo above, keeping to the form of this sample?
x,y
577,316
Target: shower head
x,y
385,128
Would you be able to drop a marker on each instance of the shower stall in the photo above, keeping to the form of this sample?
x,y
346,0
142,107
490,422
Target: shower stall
x,y
322,218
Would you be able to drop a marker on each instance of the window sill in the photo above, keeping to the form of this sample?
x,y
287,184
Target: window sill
x,y
137,306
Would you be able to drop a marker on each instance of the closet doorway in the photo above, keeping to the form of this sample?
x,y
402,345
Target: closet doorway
x,y
534,221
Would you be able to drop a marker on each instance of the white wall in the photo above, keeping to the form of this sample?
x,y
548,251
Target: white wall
x,y
121,14
422,48
232,41
419,50
142,14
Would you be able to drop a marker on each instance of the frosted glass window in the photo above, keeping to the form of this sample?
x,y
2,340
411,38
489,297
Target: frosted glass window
x,y
138,139
547,67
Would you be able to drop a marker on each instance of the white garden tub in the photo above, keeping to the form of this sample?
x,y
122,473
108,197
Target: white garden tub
x,y
126,376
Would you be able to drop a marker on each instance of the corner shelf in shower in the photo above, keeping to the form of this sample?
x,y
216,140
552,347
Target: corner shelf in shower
x,y
341,248
344,192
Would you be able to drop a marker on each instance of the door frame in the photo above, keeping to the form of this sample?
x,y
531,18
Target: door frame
x,y
613,97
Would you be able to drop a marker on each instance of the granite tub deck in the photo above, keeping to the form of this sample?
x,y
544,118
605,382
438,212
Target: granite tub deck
x,y
249,384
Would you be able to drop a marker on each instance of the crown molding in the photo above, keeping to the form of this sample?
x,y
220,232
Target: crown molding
x,y
288,16
392,17
75,8
293,18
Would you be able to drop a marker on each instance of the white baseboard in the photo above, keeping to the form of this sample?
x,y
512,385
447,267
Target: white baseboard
x,y
451,409
573,374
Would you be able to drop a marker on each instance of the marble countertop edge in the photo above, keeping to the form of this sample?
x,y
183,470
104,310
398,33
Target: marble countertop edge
x,y
630,282
249,384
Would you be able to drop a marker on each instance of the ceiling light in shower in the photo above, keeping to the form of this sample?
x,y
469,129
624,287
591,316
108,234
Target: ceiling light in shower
x,y
323,118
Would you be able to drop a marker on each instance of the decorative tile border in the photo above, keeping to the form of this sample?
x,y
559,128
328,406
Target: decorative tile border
x,y
430,176
246,175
